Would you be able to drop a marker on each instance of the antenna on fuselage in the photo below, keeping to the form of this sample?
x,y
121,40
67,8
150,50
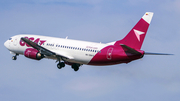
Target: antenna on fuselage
x,y
66,37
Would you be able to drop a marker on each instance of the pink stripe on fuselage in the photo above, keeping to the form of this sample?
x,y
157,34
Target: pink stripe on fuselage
x,y
113,55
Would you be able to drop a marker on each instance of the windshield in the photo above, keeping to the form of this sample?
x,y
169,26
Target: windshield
x,y
10,38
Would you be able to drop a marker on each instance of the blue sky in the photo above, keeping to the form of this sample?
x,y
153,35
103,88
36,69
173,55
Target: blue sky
x,y
153,78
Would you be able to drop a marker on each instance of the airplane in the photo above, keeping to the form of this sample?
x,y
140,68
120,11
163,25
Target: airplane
x,y
76,53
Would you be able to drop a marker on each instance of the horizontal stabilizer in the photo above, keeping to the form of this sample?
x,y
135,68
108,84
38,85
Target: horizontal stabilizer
x,y
148,53
129,49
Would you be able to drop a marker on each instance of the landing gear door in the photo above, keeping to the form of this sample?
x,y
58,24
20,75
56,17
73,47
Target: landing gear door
x,y
109,53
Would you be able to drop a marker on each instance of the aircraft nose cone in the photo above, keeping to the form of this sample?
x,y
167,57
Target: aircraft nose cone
x,y
6,44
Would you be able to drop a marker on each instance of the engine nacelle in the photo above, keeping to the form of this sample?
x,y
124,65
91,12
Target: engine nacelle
x,y
33,54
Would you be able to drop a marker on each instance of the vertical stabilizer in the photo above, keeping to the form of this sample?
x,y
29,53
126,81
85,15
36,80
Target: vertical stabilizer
x,y
135,37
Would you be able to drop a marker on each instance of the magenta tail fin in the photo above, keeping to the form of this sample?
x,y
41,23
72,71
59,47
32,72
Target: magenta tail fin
x,y
135,37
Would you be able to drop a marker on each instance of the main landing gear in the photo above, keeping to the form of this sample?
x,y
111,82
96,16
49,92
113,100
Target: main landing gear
x,y
74,66
15,57
60,65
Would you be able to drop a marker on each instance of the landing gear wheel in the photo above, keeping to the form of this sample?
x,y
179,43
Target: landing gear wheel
x,y
60,65
14,57
75,67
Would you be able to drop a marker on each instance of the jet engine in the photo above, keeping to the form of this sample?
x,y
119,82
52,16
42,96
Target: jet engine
x,y
33,54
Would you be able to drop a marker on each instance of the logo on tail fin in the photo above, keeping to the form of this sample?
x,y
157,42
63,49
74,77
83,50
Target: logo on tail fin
x,y
138,33
135,37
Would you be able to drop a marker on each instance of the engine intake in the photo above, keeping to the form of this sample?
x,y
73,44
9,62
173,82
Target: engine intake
x,y
33,54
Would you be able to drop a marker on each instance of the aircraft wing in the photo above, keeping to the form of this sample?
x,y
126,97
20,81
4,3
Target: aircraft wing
x,y
45,51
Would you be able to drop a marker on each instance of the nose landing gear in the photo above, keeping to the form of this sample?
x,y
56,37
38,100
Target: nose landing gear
x,y
15,57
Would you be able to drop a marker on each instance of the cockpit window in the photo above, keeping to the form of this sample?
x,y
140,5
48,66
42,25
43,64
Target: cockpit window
x,y
10,38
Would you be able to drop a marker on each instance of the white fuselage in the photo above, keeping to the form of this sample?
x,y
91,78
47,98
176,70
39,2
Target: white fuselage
x,y
78,51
